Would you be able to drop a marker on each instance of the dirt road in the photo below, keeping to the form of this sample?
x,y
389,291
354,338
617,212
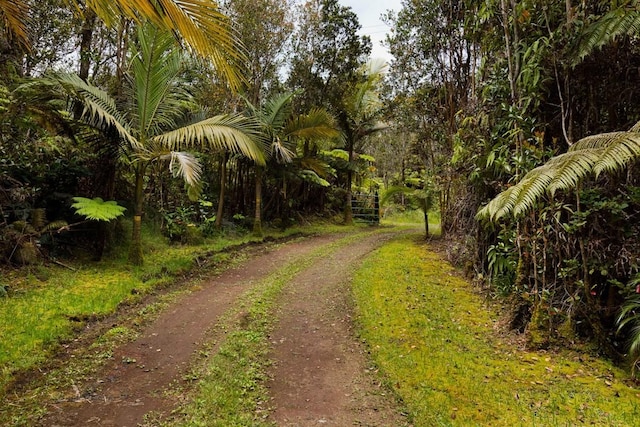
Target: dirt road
x,y
320,374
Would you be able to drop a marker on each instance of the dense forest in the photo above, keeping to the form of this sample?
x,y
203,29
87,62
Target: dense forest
x,y
518,122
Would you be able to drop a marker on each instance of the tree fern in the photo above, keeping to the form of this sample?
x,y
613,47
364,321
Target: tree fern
x,y
621,21
592,155
97,209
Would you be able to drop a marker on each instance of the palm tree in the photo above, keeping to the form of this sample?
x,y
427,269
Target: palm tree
x,y
281,129
148,127
359,119
594,154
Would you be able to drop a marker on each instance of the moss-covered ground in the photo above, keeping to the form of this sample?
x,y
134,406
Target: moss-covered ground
x,y
439,347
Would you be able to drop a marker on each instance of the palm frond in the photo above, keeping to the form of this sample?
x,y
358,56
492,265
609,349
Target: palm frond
x,y
364,102
281,152
186,166
155,66
99,109
14,15
317,124
277,110
198,22
234,133
391,191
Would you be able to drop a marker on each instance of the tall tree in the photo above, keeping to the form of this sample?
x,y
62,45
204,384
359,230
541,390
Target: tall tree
x,y
264,27
359,117
433,70
282,129
327,53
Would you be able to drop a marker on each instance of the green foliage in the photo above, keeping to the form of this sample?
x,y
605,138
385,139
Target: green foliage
x,y
97,209
622,20
628,320
502,260
35,317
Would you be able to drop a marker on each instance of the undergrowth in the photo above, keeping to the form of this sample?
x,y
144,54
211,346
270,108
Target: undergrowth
x,y
439,348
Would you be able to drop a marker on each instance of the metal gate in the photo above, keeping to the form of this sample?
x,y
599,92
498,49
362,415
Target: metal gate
x,y
366,207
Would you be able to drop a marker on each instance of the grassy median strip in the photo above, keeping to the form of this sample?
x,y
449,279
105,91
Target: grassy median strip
x,y
437,347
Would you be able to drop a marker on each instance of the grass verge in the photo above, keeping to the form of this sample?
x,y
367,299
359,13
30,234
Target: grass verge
x,y
439,349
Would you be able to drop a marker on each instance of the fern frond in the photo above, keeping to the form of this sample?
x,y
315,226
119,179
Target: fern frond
x,y
500,205
619,153
97,209
595,154
313,178
317,165
38,218
569,168
618,22
600,140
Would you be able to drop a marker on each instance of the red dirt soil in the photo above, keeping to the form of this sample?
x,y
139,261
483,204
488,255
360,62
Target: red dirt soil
x,y
320,376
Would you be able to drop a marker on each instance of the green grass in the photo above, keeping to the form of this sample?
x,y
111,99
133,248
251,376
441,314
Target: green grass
x,y
437,346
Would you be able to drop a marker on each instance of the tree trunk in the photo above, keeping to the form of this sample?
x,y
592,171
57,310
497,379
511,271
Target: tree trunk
x,y
257,221
223,184
348,212
135,251
426,225
86,38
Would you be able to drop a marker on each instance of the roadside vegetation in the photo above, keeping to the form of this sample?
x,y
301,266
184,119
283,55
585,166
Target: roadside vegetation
x,y
445,351
441,348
